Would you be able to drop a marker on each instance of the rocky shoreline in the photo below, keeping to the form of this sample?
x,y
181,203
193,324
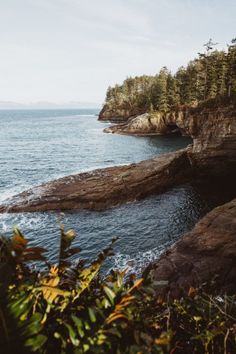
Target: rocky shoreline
x,y
210,248
212,154
207,254
107,187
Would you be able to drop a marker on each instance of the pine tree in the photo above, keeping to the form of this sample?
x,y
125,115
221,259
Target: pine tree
x,y
231,72
212,74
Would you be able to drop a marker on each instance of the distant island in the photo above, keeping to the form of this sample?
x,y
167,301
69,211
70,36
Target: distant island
x,y
49,105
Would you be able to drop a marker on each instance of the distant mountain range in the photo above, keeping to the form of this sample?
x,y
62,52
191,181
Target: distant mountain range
x,y
48,105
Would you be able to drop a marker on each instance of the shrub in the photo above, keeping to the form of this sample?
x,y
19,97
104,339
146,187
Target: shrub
x,y
69,308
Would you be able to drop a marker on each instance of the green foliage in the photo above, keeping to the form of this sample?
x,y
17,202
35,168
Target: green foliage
x,y
210,75
71,309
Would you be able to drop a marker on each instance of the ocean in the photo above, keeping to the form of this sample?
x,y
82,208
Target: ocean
x,y
41,145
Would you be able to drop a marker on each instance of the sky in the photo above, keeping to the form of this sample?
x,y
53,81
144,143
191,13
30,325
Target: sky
x,y
72,50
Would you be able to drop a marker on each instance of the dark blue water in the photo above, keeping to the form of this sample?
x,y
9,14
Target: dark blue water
x,y
41,145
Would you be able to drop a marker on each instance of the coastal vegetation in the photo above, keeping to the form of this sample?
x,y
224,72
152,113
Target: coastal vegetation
x,y
212,74
71,308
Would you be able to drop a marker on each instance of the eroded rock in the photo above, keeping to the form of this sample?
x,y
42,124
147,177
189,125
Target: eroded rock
x,y
105,187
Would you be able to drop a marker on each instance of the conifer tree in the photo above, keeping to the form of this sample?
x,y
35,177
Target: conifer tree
x,y
231,72
211,74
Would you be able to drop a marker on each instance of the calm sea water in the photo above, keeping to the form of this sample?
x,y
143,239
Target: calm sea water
x,y
41,145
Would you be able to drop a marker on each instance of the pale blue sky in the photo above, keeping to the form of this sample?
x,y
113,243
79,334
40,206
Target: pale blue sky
x,y
71,50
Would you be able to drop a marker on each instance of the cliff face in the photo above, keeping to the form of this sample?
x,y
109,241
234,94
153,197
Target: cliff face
x,y
117,114
214,140
213,132
207,253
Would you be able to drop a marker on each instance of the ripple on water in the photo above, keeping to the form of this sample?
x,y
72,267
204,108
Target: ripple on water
x,y
144,228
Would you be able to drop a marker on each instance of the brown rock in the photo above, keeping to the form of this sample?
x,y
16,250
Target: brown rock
x,y
206,254
106,187
117,115
213,131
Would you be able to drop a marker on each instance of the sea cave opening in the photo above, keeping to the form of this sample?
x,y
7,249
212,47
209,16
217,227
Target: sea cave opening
x,y
173,129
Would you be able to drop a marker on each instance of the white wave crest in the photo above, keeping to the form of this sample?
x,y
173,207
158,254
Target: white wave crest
x,y
137,263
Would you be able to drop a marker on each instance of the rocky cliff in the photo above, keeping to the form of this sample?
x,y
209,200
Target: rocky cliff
x,y
207,254
213,131
121,114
